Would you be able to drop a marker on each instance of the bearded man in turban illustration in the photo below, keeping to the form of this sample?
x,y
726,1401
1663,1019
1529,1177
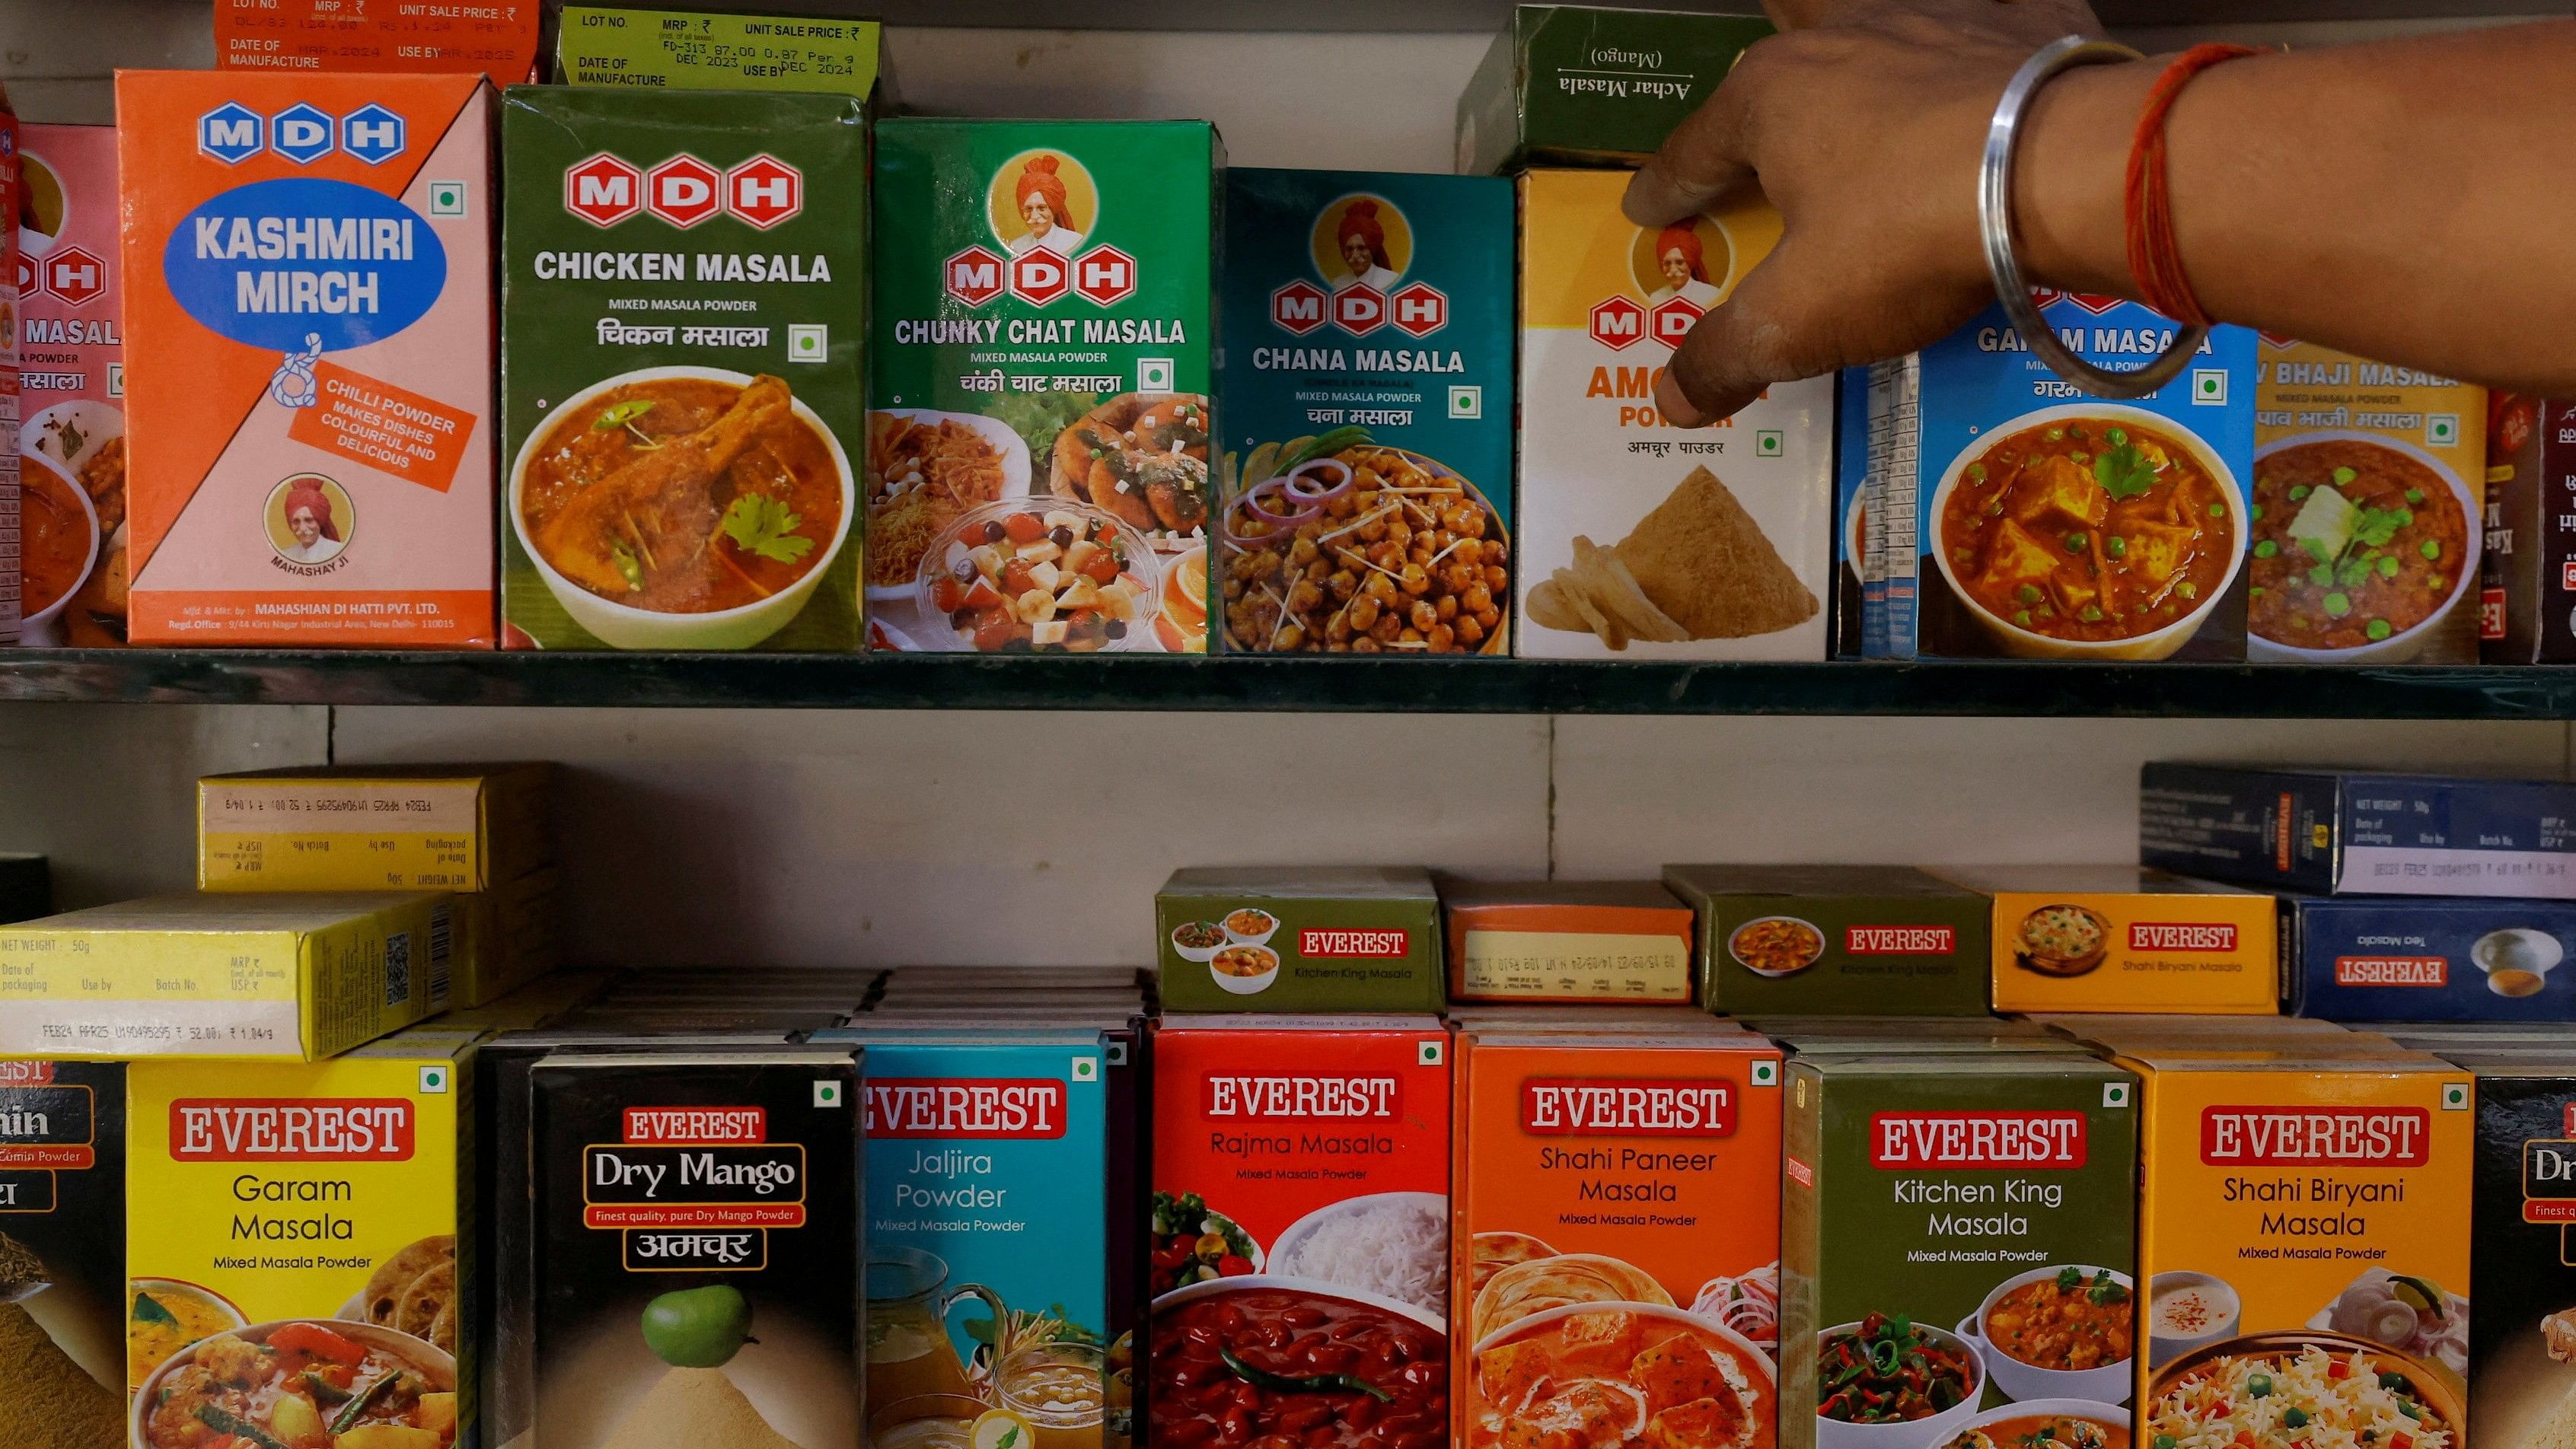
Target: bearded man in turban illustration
x,y
1362,239
1045,209
310,518
1683,260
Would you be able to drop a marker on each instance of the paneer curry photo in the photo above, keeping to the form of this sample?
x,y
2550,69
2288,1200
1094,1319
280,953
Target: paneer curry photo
x,y
301,1385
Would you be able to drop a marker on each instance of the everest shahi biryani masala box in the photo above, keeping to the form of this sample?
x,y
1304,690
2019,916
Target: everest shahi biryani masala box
x,y
1618,1234
308,312
1300,1225
1637,537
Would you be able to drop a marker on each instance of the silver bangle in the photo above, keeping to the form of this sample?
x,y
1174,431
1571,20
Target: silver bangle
x,y
2003,262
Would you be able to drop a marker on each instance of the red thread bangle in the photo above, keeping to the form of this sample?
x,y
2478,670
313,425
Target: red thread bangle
x,y
2155,256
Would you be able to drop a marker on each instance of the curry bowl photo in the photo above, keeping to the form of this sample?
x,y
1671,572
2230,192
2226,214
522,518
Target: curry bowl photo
x,y
683,508
1249,926
2363,547
2063,1332
2344,1386
166,1315
2044,1424
1667,1375
58,543
2062,940
296,1382
1889,1382
2088,531
1776,946
1267,1352
1244,970
1197,942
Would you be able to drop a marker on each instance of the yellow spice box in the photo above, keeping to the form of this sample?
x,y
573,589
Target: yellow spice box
x,y
2120,939
296,976
459,828
304,1228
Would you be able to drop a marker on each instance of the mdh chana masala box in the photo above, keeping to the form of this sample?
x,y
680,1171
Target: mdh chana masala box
x,y
308,261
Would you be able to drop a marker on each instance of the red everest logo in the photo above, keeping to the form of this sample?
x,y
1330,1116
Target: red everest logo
x,y
974,276
1290,1099
247,1129
683,191
1420,309
695,1126
2392,971
1673,320
26,1074
1018,1108
1900,940
1298,308
74,275
1322,944
2181,936
1618,323
2315,1136
1973,1141
1572,1107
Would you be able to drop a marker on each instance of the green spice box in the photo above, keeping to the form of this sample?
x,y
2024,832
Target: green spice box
x,y
1320,939
1591,84
1836,940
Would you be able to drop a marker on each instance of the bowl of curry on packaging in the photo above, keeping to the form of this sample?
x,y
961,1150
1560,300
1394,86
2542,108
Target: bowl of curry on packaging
x,y
1243,969
683,508
2363,546
300,1381
2062,1332
2062,940
1199,941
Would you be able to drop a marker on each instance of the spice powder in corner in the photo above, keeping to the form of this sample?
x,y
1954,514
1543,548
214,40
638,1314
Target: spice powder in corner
x,y
62,1252
1038,447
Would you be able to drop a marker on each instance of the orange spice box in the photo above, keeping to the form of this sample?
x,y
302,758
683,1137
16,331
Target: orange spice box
x,y
1618,1228
309,330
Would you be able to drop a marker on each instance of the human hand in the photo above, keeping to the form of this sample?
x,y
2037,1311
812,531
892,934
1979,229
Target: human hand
x,y
1864,122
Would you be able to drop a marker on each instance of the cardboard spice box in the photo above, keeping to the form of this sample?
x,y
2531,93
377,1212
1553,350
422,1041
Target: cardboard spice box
x,y
1791,940
2522,1276
2428,958
1983,1203
1301,939
71,431
2116,938
498,39
62,1249
708,50
1592,84
2359,832
1617,1229
1570,941
2527,602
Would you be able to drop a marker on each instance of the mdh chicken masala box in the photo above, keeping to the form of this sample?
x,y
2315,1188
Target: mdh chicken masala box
x,y
62,1250
1637,538
308,303
71,431
1616,1254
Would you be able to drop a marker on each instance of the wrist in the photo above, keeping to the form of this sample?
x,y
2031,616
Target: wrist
x,y
2070,178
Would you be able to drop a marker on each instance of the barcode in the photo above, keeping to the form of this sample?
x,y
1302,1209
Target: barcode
x,y
397,968
439,935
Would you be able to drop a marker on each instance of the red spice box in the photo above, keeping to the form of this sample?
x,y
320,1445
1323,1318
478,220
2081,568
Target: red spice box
x,y
1300,1222
308,312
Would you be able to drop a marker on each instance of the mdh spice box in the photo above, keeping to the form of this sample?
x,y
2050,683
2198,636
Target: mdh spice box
x,y
2116,938
2369,511
1615,1269
685,289
1637,537
309,307
1958,1250
1299,1231
2527,601
62,1250
1823,940
71,430
1327,938
2303,1236
1367,461
299,1238
2522,1337
1039,442
2014,516
1589,941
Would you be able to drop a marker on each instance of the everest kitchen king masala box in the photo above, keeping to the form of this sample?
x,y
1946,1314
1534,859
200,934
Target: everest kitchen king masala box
x,y
308,311
62,1250
1638,538
1299,1256
1618,1230
71,431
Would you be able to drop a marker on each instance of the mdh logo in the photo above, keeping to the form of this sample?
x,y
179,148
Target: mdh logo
x,y
683,191
1418,310
1103,276
302,134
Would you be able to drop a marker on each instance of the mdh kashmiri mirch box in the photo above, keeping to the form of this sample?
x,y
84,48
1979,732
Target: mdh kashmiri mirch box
x,y
308,308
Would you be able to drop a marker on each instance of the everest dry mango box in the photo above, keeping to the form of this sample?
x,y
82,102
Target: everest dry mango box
x,y
309,320
2522,1334
71,432
295,976
1637,538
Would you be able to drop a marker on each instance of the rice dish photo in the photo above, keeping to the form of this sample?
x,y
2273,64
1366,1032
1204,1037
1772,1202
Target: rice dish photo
x,y
1395,1245
2318,1399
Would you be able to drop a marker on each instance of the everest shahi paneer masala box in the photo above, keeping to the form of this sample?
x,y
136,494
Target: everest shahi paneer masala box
x,y
1616,1255
1367,456
308,312
685,284
1299,1256
1037,459
62,1251
1637,537
71,432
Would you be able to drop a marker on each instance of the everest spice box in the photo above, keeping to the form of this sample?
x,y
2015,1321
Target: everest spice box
x,y
1600,941
1301,1188
695,1219
373,827
701,50
2338,832
297,976
1369,385
685,284
1958,1239
2428,958
62,1250
71,403
2527,606
308,312
1590,84
1824,940
2522,1283
310,1224
2115,938
1038,450
2303,1234
1617,1235
1306,939
2369,510
1637,538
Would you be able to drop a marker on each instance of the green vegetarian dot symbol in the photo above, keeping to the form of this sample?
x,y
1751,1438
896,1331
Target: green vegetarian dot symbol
x,y
698,1327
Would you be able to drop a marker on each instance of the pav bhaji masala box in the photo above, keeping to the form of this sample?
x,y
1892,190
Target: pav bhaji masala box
x,y
308,307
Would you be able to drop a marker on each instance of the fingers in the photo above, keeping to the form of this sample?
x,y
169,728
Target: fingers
x,y
1705,157
1744,345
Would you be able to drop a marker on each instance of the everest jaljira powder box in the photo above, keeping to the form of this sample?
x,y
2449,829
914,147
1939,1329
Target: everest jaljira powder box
x,y
1299,1256
1616,1256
